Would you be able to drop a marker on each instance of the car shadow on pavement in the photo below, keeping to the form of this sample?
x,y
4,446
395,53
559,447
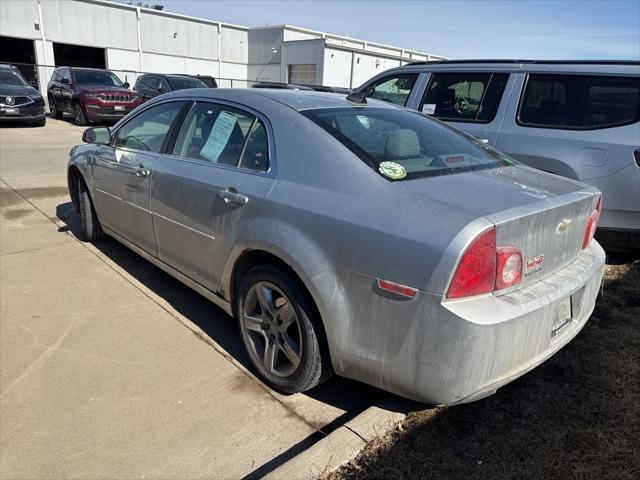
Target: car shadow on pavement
x,y
351,396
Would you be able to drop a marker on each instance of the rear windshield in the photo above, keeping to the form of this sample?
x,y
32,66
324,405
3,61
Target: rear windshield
x,y
97,77
401,144
180,83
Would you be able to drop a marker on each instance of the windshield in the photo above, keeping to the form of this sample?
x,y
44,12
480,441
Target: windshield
x,y
96,77
180,83
400,144
11,77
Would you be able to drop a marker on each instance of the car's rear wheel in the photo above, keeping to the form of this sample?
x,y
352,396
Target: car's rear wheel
x,y
53,108
281,330
78,115
91,228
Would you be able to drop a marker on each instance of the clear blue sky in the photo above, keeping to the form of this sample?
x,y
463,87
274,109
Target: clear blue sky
x,y
570,29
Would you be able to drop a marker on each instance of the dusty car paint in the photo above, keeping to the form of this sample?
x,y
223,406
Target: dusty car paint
x,y
341,226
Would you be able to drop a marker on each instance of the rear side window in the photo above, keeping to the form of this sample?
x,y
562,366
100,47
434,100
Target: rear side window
x,y
394,89
224,135
579,102
464,97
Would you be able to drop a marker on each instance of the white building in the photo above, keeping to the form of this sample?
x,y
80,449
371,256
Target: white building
x,y
289,54
129,39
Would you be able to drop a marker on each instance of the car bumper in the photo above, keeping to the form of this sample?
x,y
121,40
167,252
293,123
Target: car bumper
x,y
108,112
458,351
29,113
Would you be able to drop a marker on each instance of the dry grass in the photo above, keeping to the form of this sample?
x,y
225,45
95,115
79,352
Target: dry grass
x,y
576,416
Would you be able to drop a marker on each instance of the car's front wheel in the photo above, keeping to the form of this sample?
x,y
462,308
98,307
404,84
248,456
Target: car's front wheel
x,y
78,115
53,108
91,228
281,330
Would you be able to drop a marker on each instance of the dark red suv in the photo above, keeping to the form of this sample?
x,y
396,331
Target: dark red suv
x,y
90,95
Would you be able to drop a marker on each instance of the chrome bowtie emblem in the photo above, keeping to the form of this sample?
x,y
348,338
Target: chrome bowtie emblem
x,y
563,226
10,101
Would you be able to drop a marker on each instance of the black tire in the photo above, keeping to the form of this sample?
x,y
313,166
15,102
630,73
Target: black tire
x,y
53,108
91,228
78,115
40,123
314,365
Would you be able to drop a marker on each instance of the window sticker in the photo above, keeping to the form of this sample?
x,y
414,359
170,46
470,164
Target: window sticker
x,y
429,108
218,137
393,170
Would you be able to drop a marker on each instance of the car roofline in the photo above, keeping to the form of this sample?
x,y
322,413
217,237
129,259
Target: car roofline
x,y
526,62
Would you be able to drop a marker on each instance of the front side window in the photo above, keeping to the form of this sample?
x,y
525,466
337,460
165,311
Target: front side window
x,y
394,89
223,135
464,97
579,102
402,145
147,131
96,77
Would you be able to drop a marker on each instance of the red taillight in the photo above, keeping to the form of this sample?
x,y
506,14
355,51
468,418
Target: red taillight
x,y
476,272
509,267
592,224
485,268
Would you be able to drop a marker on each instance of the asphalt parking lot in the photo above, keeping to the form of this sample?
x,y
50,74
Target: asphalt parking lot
x,y
111,368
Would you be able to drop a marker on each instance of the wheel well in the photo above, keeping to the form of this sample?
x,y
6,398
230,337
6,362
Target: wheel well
x,y
250,259
73,177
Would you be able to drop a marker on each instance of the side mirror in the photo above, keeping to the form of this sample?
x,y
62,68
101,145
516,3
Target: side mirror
x,y
161,90
99,135
127,84
34,83
65,81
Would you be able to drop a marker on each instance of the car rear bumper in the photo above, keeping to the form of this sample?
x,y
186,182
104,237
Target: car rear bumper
x,y
458,351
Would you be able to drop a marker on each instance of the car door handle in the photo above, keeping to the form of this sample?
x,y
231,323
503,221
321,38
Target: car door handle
x,y
142,172
233,197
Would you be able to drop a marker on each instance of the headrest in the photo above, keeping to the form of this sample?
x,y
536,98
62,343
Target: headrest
x,y
402,143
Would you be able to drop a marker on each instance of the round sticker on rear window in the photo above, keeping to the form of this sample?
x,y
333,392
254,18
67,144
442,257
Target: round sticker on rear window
x,y
392,170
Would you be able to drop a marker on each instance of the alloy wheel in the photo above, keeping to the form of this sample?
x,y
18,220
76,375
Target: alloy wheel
x,y
272,327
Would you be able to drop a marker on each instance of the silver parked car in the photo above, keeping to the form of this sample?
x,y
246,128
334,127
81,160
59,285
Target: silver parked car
x,y
356,238
578,119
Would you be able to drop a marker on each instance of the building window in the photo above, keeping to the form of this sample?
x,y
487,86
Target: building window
x,y
303,74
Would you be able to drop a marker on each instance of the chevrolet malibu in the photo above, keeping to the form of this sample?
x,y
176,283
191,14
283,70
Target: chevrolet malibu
x,y
349,236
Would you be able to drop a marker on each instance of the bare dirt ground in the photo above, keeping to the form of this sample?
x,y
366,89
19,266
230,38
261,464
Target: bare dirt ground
x,y
576,416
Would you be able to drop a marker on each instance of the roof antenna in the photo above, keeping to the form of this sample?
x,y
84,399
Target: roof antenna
x,y
358,96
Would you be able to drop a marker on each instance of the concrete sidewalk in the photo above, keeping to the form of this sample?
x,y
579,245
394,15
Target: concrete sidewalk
x,y
111,369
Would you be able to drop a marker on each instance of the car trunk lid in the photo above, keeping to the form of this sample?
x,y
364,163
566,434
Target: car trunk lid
x,y
543,215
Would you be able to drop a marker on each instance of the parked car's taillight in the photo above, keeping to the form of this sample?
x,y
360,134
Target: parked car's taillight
x,y
509,267
592,224
485,268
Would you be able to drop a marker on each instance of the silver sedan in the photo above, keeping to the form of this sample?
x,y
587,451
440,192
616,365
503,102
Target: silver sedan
x,y
349,237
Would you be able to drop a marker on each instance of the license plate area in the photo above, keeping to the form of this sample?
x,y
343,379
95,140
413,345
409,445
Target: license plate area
x,y
8,111
563,316
118,108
